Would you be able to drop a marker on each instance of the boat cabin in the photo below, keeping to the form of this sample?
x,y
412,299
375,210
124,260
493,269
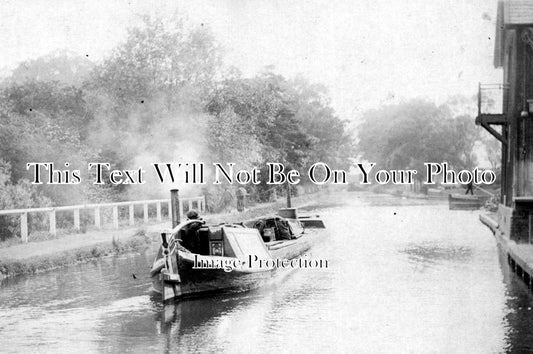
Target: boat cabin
x,y
233,240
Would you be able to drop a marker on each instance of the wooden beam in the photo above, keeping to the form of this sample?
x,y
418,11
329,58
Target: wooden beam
x,y
497,119
494,133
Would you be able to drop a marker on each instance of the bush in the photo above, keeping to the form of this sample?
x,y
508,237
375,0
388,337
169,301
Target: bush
x,y
19,196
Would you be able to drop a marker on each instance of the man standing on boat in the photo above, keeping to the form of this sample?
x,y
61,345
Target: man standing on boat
x,y
188,234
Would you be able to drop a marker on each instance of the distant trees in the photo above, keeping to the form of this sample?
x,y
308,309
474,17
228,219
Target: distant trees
x,y
149,95
404,136
268,118
161,95
63,66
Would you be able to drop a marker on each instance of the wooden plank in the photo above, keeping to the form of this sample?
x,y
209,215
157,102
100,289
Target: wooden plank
x,y
132,214
115,217
88,206
497,119
158,207
52,218
145,212
530,227
97,222
24,227
77,219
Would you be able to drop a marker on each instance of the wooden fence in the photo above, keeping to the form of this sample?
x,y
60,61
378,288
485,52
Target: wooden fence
x,y
190,202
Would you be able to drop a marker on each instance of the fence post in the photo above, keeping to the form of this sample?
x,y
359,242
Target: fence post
x,y
77,219
97,217
132,214
145,212
190,204
174,207
53,230
24,227
115,216
158,206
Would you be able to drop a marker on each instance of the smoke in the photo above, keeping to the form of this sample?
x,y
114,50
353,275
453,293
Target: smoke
x,y
152,133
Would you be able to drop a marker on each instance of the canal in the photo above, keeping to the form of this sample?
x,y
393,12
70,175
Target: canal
x,y
404,276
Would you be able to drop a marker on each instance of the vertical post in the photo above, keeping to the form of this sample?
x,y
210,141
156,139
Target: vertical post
x,y
190,204
530,226
115,216
479,99
53,230
145,212
175,207
204,204
289,204
132,214
97,217
77,219
24,227
158,209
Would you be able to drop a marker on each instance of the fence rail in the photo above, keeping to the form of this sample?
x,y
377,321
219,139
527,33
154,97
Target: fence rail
x,y
189,202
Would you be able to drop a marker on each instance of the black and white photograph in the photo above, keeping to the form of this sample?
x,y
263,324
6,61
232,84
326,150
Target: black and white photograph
x,y
266,176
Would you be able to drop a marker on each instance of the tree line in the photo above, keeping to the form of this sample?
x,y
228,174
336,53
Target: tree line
x,y
163,94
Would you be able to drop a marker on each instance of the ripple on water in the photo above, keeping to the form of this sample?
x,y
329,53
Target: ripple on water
x,y
438,253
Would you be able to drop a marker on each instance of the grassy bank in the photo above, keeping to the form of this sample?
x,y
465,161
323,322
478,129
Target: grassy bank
x,y
13,267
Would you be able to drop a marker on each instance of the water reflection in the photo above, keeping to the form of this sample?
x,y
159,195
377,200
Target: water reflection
x,y
402,278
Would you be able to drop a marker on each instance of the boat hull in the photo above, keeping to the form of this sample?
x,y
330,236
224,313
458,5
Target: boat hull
x,y
194,281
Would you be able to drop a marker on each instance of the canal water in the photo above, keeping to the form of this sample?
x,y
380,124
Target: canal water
x,y
404,276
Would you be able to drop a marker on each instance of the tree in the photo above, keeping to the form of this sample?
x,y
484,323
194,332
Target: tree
x,y
45,122
277,120
149,94
14,196
160,59
65,67
406,135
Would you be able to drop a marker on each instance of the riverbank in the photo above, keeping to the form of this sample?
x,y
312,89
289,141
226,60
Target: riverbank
x,y
36,257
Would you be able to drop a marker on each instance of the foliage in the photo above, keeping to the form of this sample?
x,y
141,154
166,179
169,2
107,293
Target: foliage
x,y
17,196
62,66
406,135
277,120
161,95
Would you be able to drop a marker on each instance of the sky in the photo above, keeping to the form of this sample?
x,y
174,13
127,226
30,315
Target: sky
x,y
366,52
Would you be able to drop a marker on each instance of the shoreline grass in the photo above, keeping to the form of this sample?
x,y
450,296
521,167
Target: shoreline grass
x,y
140,241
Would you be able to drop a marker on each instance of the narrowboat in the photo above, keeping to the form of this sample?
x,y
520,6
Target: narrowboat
x,y
196,259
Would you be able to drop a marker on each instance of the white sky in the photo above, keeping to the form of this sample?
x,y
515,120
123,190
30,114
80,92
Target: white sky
x,y
367,52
